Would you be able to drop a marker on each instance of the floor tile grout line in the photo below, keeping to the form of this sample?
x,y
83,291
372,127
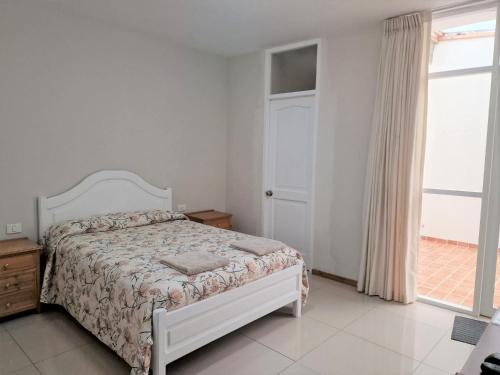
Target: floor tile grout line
x,y
299,364
390,349
61,353
22,349
267,347
34,363
416,368
321,321
364,339
382,346
316,347
286,368
435,346
309,351
434,367
371,308
37,368
22,368
417,320
302,355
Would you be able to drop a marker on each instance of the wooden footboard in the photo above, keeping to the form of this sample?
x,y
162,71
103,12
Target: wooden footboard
x,y
181,331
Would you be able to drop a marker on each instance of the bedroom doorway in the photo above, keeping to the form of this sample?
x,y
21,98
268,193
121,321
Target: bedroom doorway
x,y
291,99
460,219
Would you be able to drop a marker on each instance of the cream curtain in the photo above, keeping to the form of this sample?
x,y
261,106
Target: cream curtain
x,y
395,165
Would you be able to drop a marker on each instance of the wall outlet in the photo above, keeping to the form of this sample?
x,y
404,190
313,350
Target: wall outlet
x,y
14,228
182,207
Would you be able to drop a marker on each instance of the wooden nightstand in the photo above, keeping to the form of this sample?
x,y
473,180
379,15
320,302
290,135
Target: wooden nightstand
x,y
19,276
211,217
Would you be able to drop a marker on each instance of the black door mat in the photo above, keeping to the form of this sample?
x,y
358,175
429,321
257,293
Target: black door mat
x,y
467,330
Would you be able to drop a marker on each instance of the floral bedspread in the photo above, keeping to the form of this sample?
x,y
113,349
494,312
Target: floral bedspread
x,y
105,272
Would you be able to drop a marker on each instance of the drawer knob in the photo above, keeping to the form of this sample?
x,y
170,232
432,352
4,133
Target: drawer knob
x,y
8,285
7,305
5,266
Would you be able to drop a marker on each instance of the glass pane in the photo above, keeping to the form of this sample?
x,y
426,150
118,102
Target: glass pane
x,y
463,41
294,70
448,248
457,123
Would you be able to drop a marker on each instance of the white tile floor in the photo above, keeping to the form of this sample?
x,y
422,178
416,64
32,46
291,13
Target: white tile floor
x,y
341,332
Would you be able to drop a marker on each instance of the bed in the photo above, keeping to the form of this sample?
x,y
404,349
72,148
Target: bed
x,y
103,240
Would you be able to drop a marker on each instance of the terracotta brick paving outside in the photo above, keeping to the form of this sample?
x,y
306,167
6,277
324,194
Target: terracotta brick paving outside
x,y
447,270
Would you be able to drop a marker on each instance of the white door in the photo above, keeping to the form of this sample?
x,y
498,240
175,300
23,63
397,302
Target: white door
x,y
288,173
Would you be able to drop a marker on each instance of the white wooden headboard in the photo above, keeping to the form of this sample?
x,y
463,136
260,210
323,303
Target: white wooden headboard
x,y
101,193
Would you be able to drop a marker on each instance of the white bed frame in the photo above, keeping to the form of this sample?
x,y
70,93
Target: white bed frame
x,y
181,331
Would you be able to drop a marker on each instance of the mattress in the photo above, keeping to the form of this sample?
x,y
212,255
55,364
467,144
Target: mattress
x,y
105,271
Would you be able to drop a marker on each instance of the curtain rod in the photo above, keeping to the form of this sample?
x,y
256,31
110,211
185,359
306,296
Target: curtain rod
x,y
401,15
464,4
448,8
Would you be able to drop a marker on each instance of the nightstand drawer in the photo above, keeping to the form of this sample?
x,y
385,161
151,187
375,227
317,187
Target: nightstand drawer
x,y
17,263
16,283
16,302
224,223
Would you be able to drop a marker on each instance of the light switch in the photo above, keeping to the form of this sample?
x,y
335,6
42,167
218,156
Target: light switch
x,y
14,228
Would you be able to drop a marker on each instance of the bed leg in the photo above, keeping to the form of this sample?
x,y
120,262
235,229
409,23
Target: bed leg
x,y
161,370
297,308
159,364
297,304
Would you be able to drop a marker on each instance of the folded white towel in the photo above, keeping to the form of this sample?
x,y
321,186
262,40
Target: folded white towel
x,y
194,262
258,245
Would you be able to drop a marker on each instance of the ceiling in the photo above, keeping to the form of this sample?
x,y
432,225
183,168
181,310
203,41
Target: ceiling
x,y
234,27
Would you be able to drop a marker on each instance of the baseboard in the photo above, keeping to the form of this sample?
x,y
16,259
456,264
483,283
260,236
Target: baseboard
x,y
450,242
331,276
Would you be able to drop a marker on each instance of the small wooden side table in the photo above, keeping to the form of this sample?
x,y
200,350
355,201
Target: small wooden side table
x,y
19,276
213,218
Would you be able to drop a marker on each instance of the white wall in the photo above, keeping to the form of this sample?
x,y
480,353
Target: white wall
x,y
78,96
353,66
344,131
245,132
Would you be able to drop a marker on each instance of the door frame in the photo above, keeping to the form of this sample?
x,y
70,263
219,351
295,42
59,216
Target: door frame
x,y
488,241
268,97
489,225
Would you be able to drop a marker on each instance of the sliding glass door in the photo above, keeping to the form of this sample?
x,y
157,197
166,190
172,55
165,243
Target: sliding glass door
x,y
457,213
488,299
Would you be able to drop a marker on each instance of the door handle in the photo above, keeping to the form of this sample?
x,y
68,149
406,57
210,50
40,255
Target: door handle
x,y
269,193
